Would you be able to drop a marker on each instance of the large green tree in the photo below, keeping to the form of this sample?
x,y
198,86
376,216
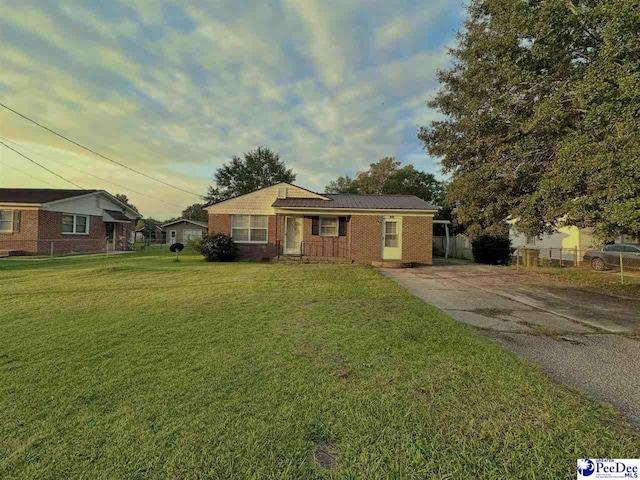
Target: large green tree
x,y
124,199
542,108
195,212
386,176
258,169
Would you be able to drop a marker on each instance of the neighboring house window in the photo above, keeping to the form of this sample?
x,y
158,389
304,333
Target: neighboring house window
x,y
531,240
390,234
249,228
192,235
328,226
6,221
78,224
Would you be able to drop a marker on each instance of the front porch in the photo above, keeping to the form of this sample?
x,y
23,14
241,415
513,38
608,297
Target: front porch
x,y
323,237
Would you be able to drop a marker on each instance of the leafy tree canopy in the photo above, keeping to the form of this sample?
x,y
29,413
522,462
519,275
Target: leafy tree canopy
x,y
124,199
258,169
542,109
387,177
195,212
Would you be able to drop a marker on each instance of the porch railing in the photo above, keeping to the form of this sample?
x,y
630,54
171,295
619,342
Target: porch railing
x,y
328,247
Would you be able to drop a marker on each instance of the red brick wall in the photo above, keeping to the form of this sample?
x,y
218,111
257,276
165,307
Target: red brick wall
x,y
221,223
25,240
417,244
50,229
366,238
363,242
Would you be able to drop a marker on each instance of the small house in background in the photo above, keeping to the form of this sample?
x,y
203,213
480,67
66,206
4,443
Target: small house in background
x,y
50,221
184,231
565,238
568,243
151,233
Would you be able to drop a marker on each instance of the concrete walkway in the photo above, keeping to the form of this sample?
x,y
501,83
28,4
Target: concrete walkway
x,y
583,338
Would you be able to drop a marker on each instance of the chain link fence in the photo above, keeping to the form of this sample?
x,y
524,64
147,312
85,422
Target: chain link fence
x,y
61,247
577,260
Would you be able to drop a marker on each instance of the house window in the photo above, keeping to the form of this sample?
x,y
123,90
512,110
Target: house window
x,y
530,240
78,224
328,226
189,235
6,221
390,234
249,228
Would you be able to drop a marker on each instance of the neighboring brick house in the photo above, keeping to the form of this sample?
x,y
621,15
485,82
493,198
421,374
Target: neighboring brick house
x,y
184,231
288,220
49,221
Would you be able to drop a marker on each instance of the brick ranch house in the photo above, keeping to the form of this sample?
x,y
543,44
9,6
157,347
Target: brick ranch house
x,y
50,221
285,219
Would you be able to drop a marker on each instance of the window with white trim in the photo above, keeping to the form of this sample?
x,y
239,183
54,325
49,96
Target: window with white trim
x,y
189,235
328,226
6,221
78,224
390,234
249,228
530,240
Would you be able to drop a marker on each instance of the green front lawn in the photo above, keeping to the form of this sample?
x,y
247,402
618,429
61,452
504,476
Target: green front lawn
x,y
137,367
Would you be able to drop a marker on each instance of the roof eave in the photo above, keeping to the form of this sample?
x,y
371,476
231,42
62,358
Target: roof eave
x,y
137,215
351,209
211,204
192,222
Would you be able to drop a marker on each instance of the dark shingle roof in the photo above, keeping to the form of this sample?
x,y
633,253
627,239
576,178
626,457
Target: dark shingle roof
x,y
355,202
38,195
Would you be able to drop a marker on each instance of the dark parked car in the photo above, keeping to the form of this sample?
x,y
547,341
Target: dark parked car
x,y
609,256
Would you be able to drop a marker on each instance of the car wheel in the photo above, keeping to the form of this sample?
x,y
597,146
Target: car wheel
x,y
598,264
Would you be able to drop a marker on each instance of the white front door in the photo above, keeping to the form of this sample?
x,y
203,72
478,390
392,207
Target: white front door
x,y
392,238
292,235
173,235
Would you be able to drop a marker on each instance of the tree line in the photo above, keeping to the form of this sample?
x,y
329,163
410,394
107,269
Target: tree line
x,y
542,116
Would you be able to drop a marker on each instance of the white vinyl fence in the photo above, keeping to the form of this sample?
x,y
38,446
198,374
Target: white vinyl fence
x,y
459,247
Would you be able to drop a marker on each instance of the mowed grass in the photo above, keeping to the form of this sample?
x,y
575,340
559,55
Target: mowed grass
x,y
138,367
608,280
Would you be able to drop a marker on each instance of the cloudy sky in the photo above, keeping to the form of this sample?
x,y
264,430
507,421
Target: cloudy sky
x,y
174,89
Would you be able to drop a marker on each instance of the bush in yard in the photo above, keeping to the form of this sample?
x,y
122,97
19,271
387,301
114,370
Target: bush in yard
x,y
492,250
217,247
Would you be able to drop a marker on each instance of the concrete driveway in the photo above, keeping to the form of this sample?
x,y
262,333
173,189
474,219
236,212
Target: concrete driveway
x,y
583,338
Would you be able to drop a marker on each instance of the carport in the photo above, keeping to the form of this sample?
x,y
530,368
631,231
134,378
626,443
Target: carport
x,y
446,224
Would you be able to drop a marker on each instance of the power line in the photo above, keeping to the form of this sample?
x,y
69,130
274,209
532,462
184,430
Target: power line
x,y
27,174
41,166
91,174
96,153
